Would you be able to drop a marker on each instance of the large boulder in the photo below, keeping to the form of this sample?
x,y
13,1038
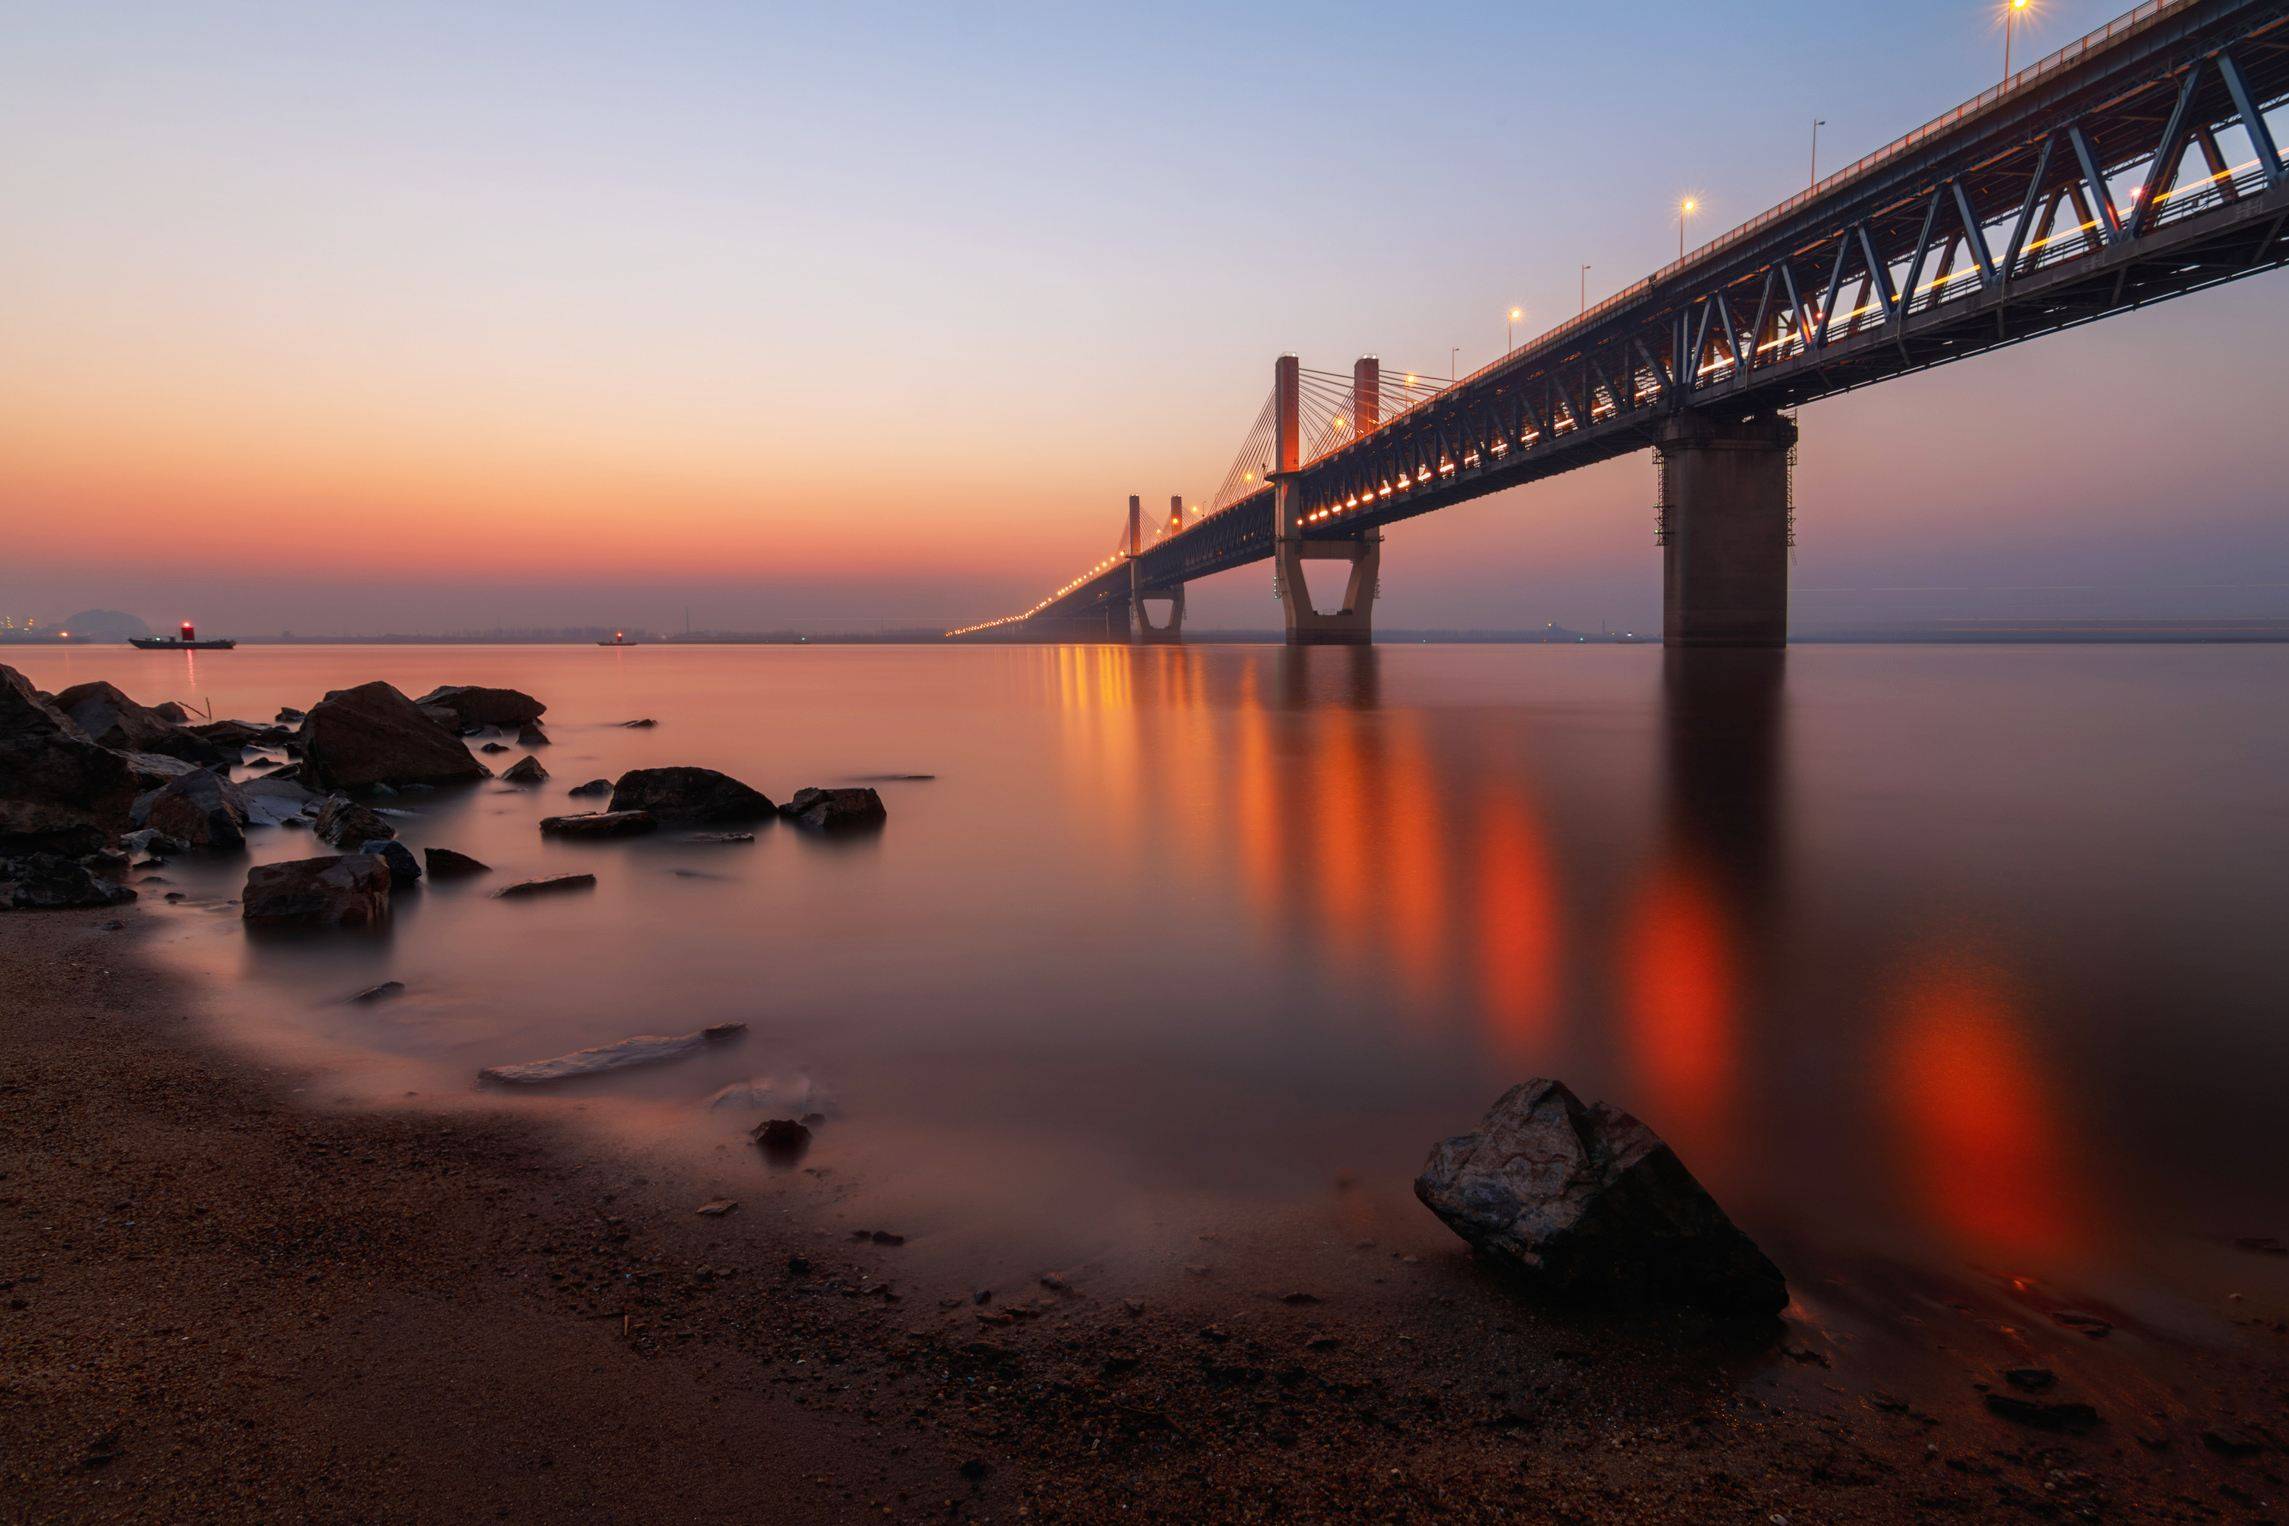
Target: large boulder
x,y
688,795
351,890
59,791
356,738
52,882
345,823
200,808
835,810
475,705
111,719
1587,1201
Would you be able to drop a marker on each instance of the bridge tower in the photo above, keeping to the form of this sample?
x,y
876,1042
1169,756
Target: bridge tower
x,y
1353,623
1142,630
1724,530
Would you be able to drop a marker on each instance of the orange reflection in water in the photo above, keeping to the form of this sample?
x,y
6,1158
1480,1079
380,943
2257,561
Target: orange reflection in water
x,y
1517,913
1982,1145
1680,991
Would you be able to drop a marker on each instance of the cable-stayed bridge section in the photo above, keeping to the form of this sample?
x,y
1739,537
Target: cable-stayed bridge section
x,y
2139,163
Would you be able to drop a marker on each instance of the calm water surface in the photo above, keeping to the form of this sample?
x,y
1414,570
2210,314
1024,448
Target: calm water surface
x,y
1965,955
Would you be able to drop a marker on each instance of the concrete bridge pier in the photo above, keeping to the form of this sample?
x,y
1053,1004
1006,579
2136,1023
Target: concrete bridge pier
x,y
1724,530
1354,623
1144,631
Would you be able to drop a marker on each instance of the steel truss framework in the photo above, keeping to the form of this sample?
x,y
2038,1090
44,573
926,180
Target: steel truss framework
x,y
2143,172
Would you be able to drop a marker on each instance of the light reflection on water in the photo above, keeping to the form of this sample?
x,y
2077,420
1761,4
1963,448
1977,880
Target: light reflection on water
x,y
1964,951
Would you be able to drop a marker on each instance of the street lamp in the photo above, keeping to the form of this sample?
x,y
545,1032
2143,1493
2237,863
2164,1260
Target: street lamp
x,y
1510,327
1585,288
2011,11
1685,209
1817,124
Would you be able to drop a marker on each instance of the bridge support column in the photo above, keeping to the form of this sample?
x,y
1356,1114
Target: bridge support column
x,y
1724,531
1353,623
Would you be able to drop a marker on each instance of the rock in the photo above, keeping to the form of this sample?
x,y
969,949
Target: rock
x,y
2231,1443
526,770
275,800
781,1138
151,841
2033,1379
152,770
531,736
715,1208
59,791
598,824
288,715
199,808
170,710
690,796
374,735
237,736
403,869
895,778
641,725
720,838
545,885
644,1049
382,992
111,719
2089,1324
592,787
475,705
2043,1414
350,890
1588,1201
445,864
345,823
835,810
52,882
494,747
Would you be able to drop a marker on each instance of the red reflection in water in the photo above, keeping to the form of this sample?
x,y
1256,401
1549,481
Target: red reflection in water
x,y
1517,926
1982,1146
1681,1009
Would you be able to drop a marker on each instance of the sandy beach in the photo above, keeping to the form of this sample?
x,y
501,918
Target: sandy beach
x,y
225,1296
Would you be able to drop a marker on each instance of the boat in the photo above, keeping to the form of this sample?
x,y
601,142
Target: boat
x,y
619,638
188,641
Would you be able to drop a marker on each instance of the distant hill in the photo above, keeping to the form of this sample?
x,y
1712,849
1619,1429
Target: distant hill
x,y
104,625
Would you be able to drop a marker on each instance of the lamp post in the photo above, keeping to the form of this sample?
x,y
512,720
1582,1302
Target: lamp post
x,y
1453,350
1817,124
2011,10
1510,329
1585,284
1685,209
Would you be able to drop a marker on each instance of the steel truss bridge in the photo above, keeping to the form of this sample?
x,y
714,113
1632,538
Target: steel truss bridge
x,y
2138,163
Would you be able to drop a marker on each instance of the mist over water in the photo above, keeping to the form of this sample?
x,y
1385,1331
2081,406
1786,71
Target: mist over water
x,y
1897,946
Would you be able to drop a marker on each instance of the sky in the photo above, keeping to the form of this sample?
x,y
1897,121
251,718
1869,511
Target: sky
x,y
337,317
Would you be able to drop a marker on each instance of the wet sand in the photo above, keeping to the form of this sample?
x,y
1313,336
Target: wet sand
x,y
223,1294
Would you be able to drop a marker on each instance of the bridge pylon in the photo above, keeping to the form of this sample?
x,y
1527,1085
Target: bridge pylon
x,y
1353,623
1724,530
1143,630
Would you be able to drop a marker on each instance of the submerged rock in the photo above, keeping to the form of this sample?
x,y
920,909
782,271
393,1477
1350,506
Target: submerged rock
x,y
598,824
545,884
1587,1201
202,809
795,1096
526,770
351,890
52,882
445,864
59,791
382,992
592,787
476,705
532,736
273,801
690,796
372,734
640,725
835,810
152,770
403,869
643,1049
345,823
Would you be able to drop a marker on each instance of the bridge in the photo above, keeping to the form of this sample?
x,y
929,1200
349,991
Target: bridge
x,y
2138,163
